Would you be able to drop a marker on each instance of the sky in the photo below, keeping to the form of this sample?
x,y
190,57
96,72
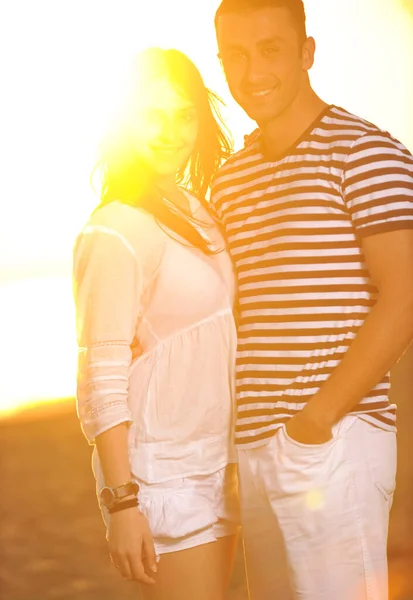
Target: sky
x,y
62,68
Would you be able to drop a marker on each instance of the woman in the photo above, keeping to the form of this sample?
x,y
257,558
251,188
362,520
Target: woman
x,y
151,273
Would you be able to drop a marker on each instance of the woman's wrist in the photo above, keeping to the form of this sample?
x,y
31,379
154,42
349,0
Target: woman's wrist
x,y
112,497
124,504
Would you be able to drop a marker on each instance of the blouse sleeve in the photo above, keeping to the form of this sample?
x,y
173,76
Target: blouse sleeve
x,y
107,290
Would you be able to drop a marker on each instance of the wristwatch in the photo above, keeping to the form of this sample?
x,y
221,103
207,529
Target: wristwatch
x,y
109,497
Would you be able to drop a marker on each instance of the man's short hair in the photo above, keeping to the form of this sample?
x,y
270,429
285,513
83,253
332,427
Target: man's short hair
x,y
296,8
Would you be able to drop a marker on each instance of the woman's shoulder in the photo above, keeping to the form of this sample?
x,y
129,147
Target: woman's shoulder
x,y
134,227
123,218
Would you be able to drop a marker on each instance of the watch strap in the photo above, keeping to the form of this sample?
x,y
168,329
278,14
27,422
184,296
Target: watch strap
x,y
123,505
125,489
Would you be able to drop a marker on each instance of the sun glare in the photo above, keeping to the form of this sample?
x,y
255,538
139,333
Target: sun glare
x,y
66,75
40,353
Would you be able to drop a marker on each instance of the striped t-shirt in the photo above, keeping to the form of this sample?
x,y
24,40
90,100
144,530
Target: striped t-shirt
x,y
294,230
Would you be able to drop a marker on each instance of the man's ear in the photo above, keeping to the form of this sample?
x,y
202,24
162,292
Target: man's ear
x,y
308,52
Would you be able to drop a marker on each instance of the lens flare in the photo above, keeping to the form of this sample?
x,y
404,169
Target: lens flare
x,y
314,499
57,104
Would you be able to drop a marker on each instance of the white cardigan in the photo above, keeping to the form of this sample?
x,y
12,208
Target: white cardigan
x,y
132,281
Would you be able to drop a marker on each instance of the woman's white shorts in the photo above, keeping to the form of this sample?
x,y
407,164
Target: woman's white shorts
x,y
191,511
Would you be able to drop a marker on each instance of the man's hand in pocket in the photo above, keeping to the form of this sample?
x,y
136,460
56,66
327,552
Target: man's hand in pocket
x,y
306,429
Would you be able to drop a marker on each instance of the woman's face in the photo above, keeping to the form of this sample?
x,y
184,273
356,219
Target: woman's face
x,y
164,128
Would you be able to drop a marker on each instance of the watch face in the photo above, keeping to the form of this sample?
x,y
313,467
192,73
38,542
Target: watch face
x,y
106,496
109,496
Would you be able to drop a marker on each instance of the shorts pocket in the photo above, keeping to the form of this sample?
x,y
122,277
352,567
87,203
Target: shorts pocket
x,y
311,448
176,513
386,493
381,449
292,469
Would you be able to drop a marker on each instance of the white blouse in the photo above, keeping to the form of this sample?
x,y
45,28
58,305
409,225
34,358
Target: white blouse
x,y
136,285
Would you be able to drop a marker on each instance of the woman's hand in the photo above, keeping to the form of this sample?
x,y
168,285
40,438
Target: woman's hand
x,y
131,545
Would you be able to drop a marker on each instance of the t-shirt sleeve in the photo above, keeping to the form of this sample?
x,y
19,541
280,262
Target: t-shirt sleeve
x,y
107,290
378,184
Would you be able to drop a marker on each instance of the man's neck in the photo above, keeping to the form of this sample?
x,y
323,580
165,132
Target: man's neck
x,y
280,134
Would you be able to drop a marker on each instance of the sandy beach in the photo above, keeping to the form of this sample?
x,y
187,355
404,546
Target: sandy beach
x,y
52,541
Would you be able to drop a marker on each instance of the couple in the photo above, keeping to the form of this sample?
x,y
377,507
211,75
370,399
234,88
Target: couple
x,y
310,228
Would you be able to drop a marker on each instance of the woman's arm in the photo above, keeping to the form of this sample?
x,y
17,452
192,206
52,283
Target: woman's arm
x,y
130,540
107,286
112,446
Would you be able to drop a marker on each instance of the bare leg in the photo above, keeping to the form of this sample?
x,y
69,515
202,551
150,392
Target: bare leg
x,y
201,573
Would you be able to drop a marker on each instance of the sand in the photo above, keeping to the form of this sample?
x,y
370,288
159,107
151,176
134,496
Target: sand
x,y
52,541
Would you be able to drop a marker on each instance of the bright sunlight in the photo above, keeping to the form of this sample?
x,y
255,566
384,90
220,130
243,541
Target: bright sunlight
x,y
63,79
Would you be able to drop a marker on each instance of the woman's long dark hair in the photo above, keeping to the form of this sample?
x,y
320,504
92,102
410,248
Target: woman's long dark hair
x,y
128,180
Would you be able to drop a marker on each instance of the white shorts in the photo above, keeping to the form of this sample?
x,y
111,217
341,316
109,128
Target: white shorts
x,y
191,511
315,518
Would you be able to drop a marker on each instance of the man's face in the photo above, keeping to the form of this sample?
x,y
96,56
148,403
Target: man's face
x,y
263,59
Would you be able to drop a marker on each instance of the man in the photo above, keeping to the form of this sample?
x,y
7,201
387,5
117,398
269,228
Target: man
x,y
318,212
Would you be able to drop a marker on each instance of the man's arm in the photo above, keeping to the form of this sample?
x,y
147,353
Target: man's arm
x,y
382,339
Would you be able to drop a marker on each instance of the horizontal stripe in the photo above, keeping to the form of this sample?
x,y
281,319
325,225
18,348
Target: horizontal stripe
x,y
294,229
